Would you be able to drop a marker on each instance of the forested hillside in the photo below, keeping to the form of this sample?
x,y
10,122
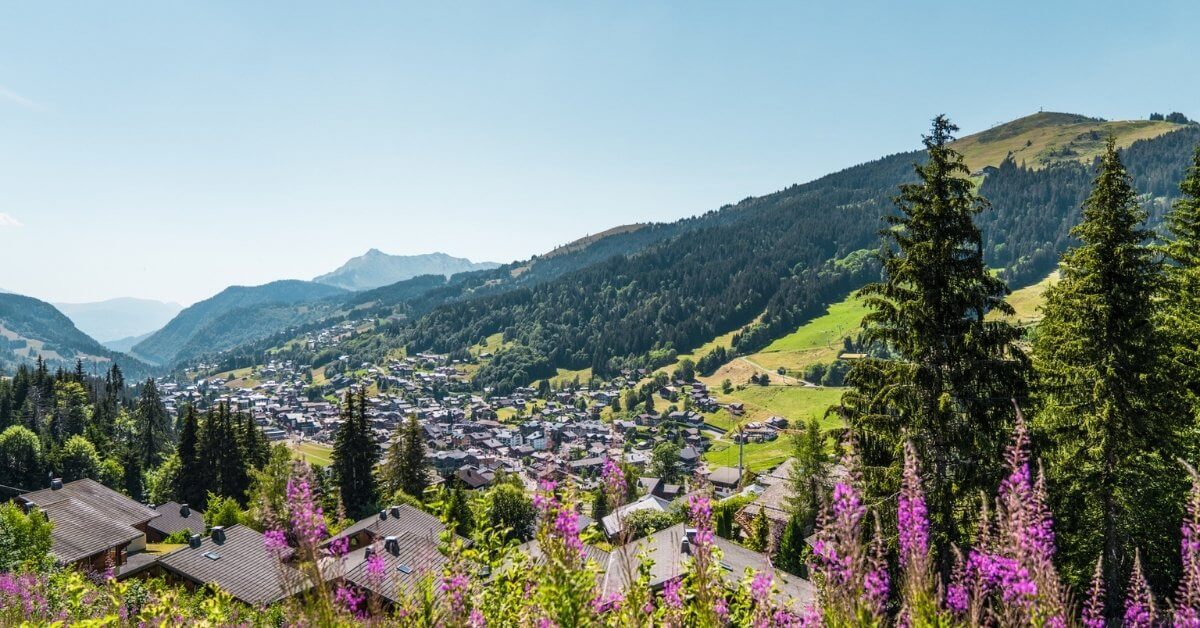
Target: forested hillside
x,y
30,328
770,262
229,318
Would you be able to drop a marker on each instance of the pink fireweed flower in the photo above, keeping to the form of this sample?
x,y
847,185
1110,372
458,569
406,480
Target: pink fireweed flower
x,y
376,567
350,600
455,588
1139,602
276,543
340,547
912,515
1187,595
760,587
670,593
607,603
1093,610
614,483
475,619
308,521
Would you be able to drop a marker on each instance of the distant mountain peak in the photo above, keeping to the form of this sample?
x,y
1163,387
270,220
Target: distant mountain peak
x,y
375,269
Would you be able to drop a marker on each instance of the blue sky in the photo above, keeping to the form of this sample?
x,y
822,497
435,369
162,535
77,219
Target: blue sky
x,y
167,150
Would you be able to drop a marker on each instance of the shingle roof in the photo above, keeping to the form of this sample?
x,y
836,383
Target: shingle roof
x,y
669,561
533,549
416,557
81,531
171,520
400,520
113,505
242,567
614,521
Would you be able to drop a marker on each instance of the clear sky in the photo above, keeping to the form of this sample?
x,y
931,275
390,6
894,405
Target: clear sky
x,y
168,149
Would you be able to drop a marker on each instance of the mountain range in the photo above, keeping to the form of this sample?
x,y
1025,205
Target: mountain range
x,y
636,295
375,268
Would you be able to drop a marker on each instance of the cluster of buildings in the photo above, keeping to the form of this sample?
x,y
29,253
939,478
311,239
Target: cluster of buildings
x,y
99,529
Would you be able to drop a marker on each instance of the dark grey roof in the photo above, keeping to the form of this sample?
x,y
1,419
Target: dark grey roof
x,y
533,549
81,531
113,505
400,520
171,520
137,563
243,567
669,561
729,476
417,555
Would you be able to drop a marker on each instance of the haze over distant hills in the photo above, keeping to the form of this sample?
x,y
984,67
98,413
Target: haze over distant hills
x,y
30,328
120,318
202,323
375,269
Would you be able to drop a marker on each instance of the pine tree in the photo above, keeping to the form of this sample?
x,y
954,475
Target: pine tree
x,y
457,514
354,457
416,473
790,556
811,466
190,484
153,426
1181,316
599,505
948,386
760,532
1111,414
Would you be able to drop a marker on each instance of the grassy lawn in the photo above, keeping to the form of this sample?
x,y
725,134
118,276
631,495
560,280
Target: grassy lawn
x,y
1027,302
1031,140
313,453
565,376
795,403
505,415
819,340
162,548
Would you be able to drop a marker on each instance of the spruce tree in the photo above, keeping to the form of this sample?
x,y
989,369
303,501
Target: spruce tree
x,y
1181,316
809,479
1112,417
153,426
416,474
354,457
190,484
458,515
947,386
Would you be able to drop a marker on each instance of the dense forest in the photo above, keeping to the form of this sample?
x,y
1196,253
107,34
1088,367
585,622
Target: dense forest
x,y
768,264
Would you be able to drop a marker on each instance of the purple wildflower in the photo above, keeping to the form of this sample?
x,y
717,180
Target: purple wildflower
x,y
308,521
276,543
1187,596
1093,610
340,547
350,600
670,594
760,587
1139,602
912,515
614,483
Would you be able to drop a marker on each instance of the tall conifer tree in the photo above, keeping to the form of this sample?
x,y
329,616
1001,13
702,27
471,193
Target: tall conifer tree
x,y
947,386
190,484
1182,287
354,456
1111,417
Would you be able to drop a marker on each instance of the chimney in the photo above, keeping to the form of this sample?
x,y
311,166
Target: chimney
x,y
382,515
194,540
391,545
184,511
368,551
218,534
685,547
55,484
395,512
